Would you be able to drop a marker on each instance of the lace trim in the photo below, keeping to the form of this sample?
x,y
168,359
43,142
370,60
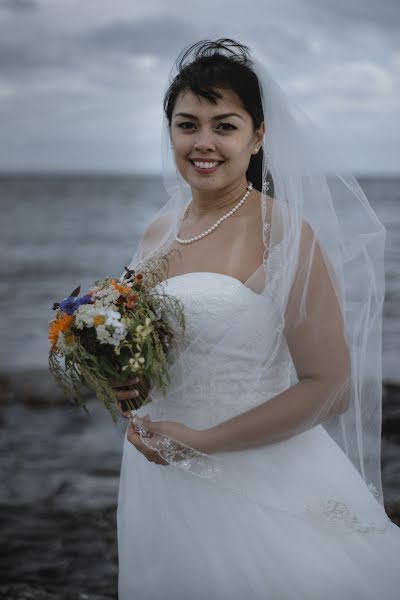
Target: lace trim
x,y
374,490
331,510
182,456
338,513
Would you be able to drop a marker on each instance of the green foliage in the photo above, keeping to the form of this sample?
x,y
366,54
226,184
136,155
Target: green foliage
x,y
95,365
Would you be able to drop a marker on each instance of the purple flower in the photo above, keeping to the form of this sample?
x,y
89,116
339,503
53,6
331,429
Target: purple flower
x,y
70,305
86,299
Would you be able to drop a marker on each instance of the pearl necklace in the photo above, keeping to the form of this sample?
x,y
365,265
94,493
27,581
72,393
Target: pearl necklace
x,y
218,222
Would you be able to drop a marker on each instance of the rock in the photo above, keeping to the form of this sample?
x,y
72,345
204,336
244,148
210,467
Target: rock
x,y
59,490
33,388
58,554
391,411
23,591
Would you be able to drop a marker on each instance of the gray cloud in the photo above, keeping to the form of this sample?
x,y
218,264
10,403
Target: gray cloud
x,y
18,57
22,56
19,5
74,91
158,36
344,14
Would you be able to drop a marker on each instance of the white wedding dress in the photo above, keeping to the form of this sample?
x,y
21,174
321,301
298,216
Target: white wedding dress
x,y
284,522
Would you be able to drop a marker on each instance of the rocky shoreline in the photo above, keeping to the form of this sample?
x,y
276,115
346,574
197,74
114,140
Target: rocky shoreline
x,y
60,470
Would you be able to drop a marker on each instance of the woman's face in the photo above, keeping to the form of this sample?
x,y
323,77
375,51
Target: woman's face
x,y
207,132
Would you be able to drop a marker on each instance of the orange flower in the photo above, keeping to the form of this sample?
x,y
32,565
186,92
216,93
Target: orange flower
x,y
131,301
123,289
60,324
138,280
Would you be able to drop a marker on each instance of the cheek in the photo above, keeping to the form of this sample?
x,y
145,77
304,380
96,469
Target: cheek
x,y
180,145
237,153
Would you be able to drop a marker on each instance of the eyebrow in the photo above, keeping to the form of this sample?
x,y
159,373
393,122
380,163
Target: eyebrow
x,y
217,117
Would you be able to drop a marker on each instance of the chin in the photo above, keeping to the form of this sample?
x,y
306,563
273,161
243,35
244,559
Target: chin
x,y
205,182
202,182
208,186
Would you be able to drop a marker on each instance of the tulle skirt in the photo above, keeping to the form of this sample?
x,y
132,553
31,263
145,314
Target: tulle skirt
x,y
181,537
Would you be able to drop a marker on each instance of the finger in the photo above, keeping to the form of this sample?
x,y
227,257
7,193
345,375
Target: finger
x,y
138,396
120,390
136,439
160,462
133,429
126,394
133,440
127,382
142,388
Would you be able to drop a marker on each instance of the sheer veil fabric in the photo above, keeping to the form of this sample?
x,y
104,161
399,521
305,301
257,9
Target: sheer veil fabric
x,y
318,293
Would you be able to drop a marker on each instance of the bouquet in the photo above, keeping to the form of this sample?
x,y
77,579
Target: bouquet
x,y
114,331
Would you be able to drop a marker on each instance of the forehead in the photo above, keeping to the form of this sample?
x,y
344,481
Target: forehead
x,y
188,102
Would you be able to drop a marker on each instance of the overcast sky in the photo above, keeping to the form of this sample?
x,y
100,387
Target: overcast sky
x,y
82,81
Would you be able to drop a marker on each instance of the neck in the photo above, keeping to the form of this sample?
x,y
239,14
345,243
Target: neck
x,y
213,202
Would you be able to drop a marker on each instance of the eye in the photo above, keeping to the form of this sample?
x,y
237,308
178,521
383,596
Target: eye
x,y
184,123
228,127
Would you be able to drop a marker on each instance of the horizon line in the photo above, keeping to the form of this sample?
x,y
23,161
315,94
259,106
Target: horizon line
x,y
145,173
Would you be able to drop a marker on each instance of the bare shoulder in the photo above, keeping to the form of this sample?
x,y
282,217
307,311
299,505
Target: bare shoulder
x,y
257,208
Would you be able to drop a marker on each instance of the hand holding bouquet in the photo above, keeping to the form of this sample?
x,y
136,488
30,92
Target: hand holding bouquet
x,y
115,333
133,391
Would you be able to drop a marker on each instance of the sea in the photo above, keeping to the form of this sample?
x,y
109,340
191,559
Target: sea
x,y
61,231
60,465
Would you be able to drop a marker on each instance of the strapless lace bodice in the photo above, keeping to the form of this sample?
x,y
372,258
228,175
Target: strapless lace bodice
x,y
213,372
258,515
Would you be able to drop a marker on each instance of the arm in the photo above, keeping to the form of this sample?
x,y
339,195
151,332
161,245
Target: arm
x,y
320,355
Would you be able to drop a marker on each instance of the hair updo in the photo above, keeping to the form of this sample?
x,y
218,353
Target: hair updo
x,y
205,67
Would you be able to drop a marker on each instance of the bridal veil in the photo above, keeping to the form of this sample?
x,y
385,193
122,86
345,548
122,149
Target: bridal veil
x,y
321,280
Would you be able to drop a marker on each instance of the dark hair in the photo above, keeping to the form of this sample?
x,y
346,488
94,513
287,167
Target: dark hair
x,y
225,64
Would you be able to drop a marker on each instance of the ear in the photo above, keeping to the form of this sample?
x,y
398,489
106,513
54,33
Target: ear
x,y
259,135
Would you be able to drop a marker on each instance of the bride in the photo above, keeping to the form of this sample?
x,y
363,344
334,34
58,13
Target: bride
x,y
258,475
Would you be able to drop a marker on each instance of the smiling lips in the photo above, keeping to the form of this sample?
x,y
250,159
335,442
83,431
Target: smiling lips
x,y
205,166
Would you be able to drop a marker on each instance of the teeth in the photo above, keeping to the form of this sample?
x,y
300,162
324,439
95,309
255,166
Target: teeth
x,y
205,165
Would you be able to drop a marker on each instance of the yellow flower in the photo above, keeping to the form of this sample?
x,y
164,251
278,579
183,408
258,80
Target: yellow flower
x,y
99,320
142,331
135,363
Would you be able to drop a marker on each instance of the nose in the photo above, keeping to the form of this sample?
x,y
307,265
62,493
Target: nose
x,y
204,141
